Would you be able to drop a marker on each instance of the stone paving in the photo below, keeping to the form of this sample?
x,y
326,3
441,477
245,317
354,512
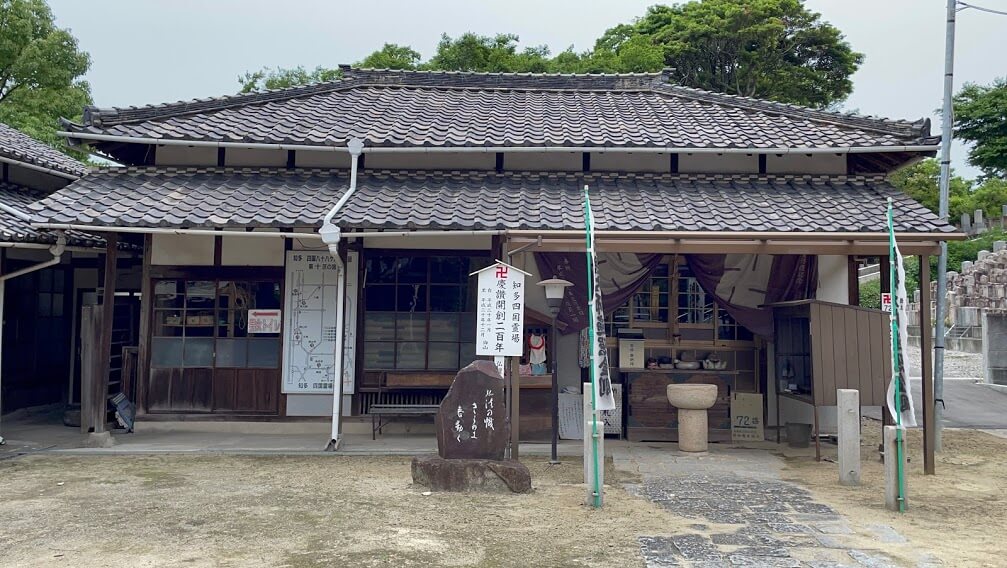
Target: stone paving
x,y
745,515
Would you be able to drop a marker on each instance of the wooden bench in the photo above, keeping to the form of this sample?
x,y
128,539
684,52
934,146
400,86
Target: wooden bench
x,y
383,414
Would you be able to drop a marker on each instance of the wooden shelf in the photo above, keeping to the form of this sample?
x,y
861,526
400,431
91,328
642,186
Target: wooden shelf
x,y
675,371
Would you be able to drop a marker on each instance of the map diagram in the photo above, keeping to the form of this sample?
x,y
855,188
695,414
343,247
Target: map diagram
x,y
311,327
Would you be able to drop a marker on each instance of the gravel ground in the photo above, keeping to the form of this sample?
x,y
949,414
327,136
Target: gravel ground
x,y
957,364
304,511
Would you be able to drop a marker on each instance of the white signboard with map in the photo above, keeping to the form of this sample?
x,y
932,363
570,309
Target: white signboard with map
x,y
310,322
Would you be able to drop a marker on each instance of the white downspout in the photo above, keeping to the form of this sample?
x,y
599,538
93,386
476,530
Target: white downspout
x,y
57,253
330,236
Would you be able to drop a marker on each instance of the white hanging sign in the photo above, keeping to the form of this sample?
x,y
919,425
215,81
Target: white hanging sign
x,y
500,313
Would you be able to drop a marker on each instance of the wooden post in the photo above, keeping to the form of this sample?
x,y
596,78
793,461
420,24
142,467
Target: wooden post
x,y
512,365
849,436
146,312
926,348
885,264
853,277
90,340
892,470
104,350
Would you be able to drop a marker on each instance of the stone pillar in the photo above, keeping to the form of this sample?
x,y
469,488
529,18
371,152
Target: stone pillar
x,y
849,436
693,427
892,470
966,223
980,225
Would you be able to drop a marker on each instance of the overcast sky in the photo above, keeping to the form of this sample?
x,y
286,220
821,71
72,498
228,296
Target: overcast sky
x,y
165,50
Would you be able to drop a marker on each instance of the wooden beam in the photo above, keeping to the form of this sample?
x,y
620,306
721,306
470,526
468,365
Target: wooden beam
x,y
926,348
100,393
726,246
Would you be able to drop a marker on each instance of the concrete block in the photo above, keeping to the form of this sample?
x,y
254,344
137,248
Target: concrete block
x,y
999,246
849,436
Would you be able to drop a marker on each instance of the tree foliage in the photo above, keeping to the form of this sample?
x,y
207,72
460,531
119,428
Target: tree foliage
x,y
392,56
40,71
773,49
269,78
981,118
920,181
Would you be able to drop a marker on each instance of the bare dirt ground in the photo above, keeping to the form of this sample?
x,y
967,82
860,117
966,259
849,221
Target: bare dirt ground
x,y
958,514
303,511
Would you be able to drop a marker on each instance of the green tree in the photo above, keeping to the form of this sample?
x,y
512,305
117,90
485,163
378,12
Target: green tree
x,y
471,52
391,56
981,118
40,71
771,49
269,78
920,181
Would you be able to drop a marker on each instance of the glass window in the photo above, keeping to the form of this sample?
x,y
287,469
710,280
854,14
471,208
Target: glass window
x,y
419,311
204,323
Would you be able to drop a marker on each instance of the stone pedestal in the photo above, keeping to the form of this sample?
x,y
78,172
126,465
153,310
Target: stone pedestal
x,y
692,430
692,400
492,476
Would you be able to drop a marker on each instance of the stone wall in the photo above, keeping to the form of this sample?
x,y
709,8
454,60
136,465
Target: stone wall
x,y
995,346
980,286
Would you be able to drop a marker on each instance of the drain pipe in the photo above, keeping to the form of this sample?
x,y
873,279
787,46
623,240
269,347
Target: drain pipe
x,y
57,251
330,234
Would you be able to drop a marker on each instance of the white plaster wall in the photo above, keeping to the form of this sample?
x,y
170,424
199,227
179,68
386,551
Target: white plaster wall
x,y
251,251
182,250
185,156
435,243
254,157
630,162
321,159
544,162
833,283
432,161
806,164
718,163
316,405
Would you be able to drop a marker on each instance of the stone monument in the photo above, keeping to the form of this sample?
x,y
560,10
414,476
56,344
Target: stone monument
x,y
472,434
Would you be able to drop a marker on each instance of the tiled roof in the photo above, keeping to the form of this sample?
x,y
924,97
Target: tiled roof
x,y
228,197
18,146
13,229
451,109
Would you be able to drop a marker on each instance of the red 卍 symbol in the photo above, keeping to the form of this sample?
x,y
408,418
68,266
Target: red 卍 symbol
x,y
501,272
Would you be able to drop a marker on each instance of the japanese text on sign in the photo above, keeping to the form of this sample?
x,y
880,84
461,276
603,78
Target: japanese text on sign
x,y
500,315
264,321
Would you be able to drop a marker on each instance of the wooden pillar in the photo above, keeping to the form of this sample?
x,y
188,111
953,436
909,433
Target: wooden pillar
x,y
926,348
100,394
146,313
853,274
885,266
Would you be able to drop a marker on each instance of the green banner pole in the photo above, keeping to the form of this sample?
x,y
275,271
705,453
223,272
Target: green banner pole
x,y
896,371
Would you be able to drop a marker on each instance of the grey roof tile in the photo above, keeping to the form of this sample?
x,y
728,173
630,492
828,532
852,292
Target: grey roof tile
x,y
431,109
231,197
13,229
18,146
